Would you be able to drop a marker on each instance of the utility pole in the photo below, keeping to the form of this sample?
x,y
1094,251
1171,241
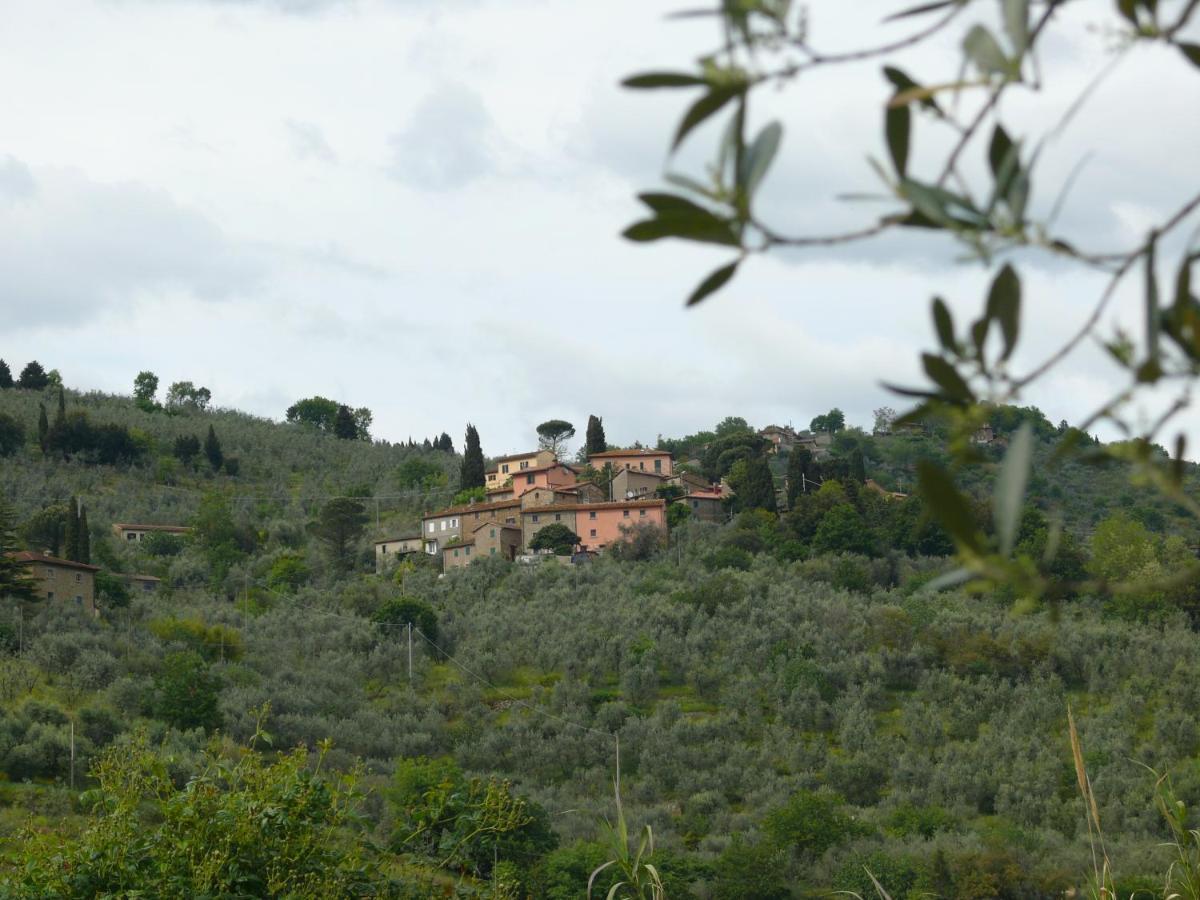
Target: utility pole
x,y
410,652
72,753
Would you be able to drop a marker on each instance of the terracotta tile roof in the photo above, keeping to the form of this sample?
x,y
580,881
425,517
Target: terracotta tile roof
x,y
173,528
635,452
508,525
614,505
26,556
510,456
473,507
466,542
404,537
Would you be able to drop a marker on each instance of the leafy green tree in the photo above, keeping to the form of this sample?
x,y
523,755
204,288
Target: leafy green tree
x,y
398,612
145,387
212,450
473,472
244,825
553,435
185,395
809,823
43,428
417,472
842,530
1121,548
678,514
339,527
596,441
6,378
33,377
12,435
832,422
46,530
732,425
318,412
464,824
344,426
214,532
556,537
362,422
111,591
469,495
721,454
187,449
289,572
186,692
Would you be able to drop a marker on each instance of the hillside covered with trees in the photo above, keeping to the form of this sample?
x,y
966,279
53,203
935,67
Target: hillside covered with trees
x,y
793,702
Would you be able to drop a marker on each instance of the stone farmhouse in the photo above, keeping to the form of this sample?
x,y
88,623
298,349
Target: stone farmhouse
x,y
61,579
137,533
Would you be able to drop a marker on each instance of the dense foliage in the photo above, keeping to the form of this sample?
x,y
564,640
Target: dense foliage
x,y
792,702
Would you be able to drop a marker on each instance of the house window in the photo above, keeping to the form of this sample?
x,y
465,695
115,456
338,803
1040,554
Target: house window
x,y
658,465
592,514
493,533
504,468
593,532
383,549
78,578
511,520
625,513
641,514
695,504
131,536
529,479
443,524
535,517
49,595
79,599
454,523
432,527
642,466
525,464
492,551
558,517
467,551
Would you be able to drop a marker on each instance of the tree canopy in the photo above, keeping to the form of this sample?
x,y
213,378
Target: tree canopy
x,y
553,435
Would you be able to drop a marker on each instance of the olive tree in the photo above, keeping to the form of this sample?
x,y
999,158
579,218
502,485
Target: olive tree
x,y
978,186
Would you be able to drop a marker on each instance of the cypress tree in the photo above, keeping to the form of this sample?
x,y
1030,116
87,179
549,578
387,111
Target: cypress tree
x,y
85,539
446,443
758,491
71,540
473,473
15,580
858,468
596,442
6,379
212,449
43,427
60,417
800,473
344,425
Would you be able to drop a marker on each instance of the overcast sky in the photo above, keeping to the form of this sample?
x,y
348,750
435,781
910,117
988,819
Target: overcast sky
x,y
414,205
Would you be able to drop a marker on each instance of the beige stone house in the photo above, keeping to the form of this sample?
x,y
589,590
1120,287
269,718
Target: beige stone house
x,y
388,550
487,539
136,533
508,466
61,580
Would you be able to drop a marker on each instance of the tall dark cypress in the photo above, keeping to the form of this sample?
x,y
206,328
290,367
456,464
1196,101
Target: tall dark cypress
x,y
212,449
473,473
71,538
6,379
596,442
858,468
758,490
344,425
800,474
85,539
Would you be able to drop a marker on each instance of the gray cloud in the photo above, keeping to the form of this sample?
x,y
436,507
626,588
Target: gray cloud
x,y
16,181
447,142
79,248
308,142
